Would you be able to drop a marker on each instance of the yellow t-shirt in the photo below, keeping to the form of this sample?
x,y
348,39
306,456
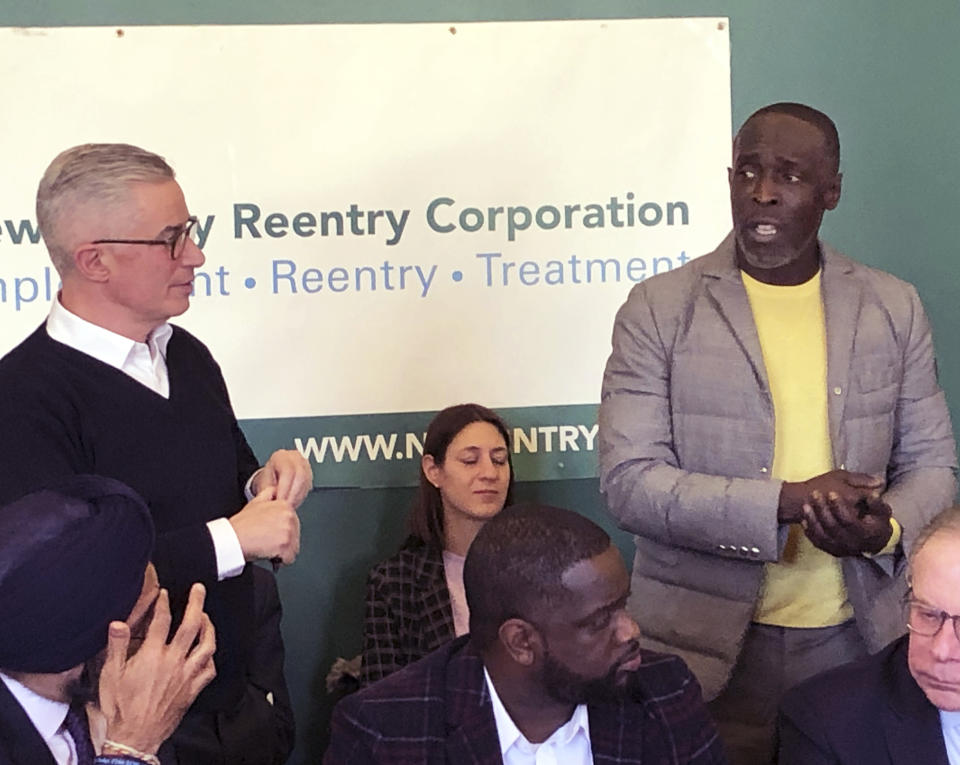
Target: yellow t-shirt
x,y
805,587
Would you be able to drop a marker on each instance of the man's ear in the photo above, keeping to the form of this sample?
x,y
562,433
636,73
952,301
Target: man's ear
x,y
831,195
522,641
88,262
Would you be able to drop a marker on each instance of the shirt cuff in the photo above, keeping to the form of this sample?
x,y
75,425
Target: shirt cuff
x,y
248,487
892,542
226,545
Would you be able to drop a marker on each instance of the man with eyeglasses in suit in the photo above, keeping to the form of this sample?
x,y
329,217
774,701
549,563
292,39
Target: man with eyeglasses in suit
x,y
107,386
902,705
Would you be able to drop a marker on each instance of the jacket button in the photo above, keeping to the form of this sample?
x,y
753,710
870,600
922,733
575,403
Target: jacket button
x,y
754,550
763,470
837,391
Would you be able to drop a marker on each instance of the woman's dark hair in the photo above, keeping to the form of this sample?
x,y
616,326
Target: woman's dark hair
x,y
426,517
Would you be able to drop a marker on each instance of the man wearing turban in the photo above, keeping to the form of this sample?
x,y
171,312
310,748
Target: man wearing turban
x,y
77,590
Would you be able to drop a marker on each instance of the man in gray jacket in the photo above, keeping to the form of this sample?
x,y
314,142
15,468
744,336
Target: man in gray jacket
x,y
772,430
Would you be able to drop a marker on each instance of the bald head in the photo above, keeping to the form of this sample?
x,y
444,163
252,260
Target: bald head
x,y
945,523
809,115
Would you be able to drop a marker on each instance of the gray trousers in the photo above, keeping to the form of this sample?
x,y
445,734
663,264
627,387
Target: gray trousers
x,y
772,661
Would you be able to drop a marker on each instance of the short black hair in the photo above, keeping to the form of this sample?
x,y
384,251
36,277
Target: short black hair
x,y
810,115
515,564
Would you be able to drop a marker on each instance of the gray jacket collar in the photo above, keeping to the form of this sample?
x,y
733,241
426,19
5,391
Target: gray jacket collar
x,y
842,295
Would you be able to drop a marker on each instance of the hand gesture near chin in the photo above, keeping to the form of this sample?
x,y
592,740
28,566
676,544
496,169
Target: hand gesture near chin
x,y
144,696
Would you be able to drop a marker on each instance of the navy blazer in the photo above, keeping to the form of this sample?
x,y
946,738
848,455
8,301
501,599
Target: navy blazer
x,y
260,731
869,712
438,712
20,744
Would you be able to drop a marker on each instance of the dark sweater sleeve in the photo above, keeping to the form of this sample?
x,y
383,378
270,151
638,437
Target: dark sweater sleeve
x,y
187,554
39,444
45,439
247,462
62,413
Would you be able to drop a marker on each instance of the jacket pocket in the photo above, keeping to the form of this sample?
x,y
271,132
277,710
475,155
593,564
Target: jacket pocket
x,y
878,374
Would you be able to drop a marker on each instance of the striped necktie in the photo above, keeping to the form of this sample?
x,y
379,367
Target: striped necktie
x,y
77,726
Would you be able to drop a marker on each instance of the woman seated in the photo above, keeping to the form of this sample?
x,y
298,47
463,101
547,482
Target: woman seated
x,y
415,600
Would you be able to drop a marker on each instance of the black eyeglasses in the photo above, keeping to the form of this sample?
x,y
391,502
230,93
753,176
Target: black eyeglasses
x,y
176,241
927,621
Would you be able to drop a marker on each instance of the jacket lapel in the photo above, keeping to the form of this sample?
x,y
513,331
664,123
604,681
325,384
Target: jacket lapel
x,y
471,729
20,743
729,297
431,583
615,736
842,294
911,723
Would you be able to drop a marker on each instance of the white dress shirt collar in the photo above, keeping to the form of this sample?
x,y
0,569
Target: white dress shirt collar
x,y
950,724
571,740
144,362
46,715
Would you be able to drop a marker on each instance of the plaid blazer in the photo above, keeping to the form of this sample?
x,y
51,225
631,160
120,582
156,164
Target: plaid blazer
x,y
408,611
438,712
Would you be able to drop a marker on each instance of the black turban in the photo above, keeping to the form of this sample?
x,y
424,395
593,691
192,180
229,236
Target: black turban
x,y
72,559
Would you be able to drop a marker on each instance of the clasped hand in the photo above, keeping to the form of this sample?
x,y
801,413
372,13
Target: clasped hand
x,y
842,513
268,527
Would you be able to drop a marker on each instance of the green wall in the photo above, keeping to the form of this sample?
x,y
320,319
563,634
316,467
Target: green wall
x,y
888,72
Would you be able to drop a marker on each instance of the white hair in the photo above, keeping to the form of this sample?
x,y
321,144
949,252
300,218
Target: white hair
x,y
90,172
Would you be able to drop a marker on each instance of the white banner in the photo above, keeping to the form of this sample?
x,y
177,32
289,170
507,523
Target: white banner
x,y
395,217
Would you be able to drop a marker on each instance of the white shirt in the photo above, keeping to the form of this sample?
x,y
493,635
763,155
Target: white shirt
x,y
567,745
47,717
950,723
147,364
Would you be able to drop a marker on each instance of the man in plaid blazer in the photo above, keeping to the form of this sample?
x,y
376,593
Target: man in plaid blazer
x,y
552,661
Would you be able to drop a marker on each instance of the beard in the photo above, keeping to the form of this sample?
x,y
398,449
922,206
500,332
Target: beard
x,y
569,687
85,689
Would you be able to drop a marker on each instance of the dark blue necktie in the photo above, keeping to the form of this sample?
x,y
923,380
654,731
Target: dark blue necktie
x,y
79,729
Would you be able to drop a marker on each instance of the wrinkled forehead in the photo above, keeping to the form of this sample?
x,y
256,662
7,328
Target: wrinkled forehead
x,y
938,557
783,134
935,573
597,580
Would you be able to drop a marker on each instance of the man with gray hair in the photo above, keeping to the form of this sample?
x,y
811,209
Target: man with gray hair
x,y
107,386
902,705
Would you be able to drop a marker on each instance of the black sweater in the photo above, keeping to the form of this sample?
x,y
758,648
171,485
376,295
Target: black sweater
x,y
63,412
